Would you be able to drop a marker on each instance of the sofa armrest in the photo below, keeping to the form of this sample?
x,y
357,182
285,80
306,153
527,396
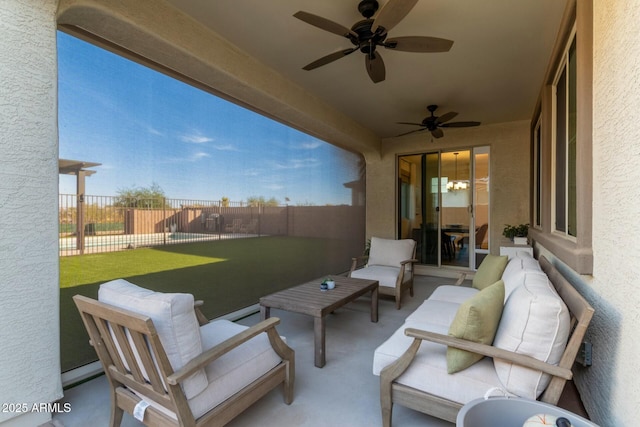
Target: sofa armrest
x,y
461,279
493,352
226,346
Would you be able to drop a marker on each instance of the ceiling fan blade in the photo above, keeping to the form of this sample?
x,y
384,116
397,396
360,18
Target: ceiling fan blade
x,y
447,116
419,44
327,59
392,13
409,123
437,133
375,67
412,131
460,124
324,24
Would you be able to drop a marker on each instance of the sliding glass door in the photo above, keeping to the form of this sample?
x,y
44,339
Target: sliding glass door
x,y
443,204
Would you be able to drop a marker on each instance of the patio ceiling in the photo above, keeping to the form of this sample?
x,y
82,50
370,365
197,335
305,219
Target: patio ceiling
x,y
492,74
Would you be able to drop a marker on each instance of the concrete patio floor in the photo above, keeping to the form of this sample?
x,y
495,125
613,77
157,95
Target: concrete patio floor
x,y
343,393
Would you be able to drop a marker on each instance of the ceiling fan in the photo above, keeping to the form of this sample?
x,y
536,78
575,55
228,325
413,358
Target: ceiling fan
x,y
368,34
433,123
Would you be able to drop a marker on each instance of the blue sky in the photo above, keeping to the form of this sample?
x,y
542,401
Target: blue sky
x,y
144,128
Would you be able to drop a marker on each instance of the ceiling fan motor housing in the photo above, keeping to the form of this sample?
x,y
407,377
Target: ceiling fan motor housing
x,y
367,40
368,8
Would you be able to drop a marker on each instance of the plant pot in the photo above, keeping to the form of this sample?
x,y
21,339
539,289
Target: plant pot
x,y
520,241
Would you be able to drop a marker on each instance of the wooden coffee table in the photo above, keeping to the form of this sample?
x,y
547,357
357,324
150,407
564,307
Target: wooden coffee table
x,y
309,299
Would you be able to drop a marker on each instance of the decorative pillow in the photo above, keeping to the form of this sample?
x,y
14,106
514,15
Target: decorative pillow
x,y
174,318
390,252
476,320
535,322
489,271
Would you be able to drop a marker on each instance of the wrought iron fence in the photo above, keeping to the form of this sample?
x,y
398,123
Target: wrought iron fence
x,y
109,223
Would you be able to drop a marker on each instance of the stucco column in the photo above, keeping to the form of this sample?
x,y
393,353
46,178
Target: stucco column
x,y
29,289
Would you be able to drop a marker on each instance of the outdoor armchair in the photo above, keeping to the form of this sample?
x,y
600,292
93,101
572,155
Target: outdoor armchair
x,y
160,352
390,262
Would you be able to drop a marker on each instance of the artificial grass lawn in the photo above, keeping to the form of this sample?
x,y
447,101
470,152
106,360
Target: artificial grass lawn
x,y
226,274
82,270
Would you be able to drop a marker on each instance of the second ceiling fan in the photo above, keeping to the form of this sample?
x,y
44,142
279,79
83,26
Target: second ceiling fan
x,y
368,34
433,123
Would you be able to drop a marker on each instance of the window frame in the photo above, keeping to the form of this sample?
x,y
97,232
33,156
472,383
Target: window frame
x,y
576,253
536,203
562,75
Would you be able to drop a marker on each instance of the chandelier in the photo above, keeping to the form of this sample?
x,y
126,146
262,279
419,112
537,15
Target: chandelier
x,y
456,184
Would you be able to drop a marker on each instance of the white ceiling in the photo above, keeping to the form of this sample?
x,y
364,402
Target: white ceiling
x,y
492,74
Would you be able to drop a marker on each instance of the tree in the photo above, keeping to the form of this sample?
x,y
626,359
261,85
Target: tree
x,y
151,197
255,201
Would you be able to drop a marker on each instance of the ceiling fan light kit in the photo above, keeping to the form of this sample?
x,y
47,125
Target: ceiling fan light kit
x,y
369,34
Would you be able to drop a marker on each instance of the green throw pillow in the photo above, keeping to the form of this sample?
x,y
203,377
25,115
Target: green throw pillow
x,y
477,320
490,271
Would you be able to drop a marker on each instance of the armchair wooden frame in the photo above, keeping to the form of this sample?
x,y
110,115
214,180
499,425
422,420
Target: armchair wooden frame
x,y
401,286
392,392
118,335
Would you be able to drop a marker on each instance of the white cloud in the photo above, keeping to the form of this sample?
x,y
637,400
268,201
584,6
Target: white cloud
x,y
195,138
310,145
199,155
251,172
154,131
225,147
298,163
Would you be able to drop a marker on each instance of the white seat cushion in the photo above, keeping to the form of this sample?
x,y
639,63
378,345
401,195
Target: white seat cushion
x,y
385,275
234,370
175,321
455,294
428,371
535,322
434,312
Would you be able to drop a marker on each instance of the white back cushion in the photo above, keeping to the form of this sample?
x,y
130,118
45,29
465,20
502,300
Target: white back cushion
x,y
513,275
390,252
174,318
535,322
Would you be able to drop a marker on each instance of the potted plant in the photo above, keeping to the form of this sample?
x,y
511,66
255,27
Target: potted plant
x,y
516,233
328,283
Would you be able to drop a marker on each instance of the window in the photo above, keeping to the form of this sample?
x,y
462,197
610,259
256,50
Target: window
x,y
562,147
564,172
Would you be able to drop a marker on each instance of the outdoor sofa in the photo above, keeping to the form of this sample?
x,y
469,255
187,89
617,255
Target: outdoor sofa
x,y
516,331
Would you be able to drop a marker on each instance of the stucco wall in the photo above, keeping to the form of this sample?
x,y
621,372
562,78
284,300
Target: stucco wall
x,y
610,388
29,330
510,158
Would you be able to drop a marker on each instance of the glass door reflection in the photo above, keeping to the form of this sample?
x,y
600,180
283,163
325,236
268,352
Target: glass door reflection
x,y
456,207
